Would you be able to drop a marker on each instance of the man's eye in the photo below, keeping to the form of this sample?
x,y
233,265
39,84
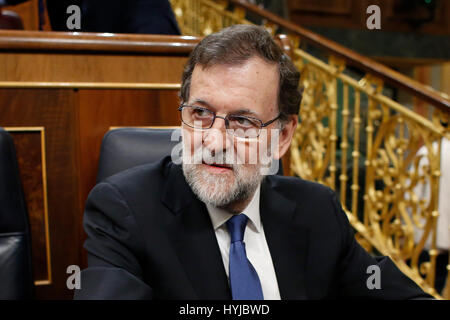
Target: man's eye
x,y
199,112
244,122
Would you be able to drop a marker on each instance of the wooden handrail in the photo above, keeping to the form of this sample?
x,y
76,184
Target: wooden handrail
x,y
13,40
352,58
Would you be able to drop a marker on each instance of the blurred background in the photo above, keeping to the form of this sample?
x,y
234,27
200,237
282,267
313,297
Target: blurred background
x,y
373,120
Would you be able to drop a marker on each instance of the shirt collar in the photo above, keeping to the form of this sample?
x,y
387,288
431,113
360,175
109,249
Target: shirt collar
x,y
219,216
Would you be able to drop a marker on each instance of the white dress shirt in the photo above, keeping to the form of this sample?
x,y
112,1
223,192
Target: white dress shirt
x,y
255,244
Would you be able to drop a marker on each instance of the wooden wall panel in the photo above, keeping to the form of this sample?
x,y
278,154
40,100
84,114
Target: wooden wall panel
x,y
53,110
89,68
77,86
30,151
75,122
101,109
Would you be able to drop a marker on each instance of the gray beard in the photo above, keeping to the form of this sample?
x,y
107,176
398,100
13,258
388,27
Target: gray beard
x,y
217,190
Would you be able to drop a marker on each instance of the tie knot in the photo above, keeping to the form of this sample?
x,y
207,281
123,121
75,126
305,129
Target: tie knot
x,y
236,227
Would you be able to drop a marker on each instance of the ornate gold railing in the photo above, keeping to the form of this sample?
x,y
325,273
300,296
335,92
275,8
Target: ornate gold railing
x,y
355,138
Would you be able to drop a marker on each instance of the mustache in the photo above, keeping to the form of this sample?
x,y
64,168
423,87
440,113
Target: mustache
x,y
204,155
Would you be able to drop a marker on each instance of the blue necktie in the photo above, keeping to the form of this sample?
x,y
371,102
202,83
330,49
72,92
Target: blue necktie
x,y
244,281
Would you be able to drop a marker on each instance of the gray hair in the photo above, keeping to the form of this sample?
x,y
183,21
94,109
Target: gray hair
x,y
235,45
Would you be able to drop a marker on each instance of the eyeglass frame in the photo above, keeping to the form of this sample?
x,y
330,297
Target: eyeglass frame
x,y
263,124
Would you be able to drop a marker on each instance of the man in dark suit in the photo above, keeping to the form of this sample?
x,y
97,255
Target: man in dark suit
x,y
215,227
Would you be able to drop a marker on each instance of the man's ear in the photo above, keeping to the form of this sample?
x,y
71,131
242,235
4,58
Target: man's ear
x,y
285,136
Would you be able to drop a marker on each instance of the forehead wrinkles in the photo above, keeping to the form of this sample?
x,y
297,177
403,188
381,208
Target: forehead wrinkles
x,y
252,69
256,80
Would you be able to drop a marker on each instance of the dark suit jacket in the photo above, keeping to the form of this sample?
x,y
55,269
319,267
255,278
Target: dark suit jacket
x,y
125,16
150,237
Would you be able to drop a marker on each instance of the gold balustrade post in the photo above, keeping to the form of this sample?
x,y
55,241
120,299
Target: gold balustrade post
x,y
368,163
344,147
356,153
338,66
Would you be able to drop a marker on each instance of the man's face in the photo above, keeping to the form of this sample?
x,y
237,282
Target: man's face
x,y
229,167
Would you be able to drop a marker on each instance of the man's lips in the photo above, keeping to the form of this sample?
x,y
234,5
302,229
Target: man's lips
x,y
218,165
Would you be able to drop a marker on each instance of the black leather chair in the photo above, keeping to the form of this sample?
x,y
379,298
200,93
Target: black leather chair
x,y
125,148
16,279
129,147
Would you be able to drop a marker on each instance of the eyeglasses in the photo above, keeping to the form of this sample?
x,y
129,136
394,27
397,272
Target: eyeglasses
x,y
238,125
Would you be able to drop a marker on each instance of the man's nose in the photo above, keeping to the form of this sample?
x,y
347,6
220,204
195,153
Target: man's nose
x,y
216,138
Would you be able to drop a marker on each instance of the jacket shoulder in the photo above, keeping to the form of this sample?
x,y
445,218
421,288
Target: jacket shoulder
x,y
297,189
142,177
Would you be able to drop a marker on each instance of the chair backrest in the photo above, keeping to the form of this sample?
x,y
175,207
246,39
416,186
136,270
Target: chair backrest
x,y
125,148
16,279
129,147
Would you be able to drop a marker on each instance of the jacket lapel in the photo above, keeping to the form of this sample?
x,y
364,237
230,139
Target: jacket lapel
x,y
194,239
287,241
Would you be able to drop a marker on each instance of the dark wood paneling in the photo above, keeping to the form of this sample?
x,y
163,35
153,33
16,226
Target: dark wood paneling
x,y
321,6
99,110
55,111
352,14
75,118
75,122
52,67
29,150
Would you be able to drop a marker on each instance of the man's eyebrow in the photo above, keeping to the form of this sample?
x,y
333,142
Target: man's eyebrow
x,y
203,102
245,112
237,112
